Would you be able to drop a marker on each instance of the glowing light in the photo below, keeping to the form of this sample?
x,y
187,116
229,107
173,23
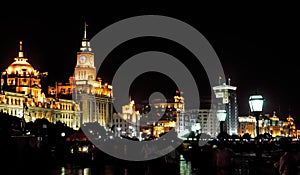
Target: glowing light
x,y
256,103
85,149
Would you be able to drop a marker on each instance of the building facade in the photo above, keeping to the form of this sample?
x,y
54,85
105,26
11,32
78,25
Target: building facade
x,y
22,96
247,124
92,95
84,99
128,122
160,116
269,124
202,121
227,97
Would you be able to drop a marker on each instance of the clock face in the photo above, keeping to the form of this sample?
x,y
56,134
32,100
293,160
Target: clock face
x,y
91,59
82,59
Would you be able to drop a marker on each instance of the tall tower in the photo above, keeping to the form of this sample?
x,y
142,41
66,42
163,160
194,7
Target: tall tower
x,y
226,95
94,98
85,70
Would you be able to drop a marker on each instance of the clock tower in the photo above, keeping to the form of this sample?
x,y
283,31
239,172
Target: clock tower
x,y
93,97
85,70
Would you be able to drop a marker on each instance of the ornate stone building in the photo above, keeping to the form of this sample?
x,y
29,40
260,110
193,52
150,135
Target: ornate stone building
x,y
22,96
84,99
272,125
85,88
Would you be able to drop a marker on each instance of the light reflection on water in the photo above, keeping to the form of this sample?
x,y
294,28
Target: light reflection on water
x,y
114,168
185,169
84,171
105,170
185,166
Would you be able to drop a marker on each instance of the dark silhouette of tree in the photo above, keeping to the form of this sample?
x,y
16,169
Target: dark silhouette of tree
x,y
246,136
223,136
8,123
267,136
234,137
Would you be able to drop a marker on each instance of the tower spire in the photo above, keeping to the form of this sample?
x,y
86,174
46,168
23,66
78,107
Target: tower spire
x,y
85,44
21,54
85,25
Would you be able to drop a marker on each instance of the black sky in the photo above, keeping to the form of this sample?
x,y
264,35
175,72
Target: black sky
x,y
258,46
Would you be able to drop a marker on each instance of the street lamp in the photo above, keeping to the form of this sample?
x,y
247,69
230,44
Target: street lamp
x,y
256,103
221,115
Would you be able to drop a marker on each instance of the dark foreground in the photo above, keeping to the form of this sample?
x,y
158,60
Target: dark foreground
x,y
191,159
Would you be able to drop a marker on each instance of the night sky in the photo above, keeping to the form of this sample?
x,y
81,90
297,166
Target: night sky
x,y
258,48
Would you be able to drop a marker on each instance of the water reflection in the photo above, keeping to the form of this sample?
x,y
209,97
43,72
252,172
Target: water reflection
x,y
185,169
84,171
185,166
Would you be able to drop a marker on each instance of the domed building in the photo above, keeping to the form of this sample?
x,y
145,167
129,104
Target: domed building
x,y
84,99
21,77
22,96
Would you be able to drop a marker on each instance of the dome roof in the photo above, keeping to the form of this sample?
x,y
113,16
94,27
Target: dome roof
x,y
20,65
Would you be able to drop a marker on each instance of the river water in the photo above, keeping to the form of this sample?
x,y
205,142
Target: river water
x,y
100,168
184,169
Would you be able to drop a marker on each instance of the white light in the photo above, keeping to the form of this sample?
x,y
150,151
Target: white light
x,y
85,149
63,134
221,114
196,127
256,103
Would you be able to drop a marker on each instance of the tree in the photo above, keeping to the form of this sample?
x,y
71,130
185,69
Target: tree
x,y
223,136
246,136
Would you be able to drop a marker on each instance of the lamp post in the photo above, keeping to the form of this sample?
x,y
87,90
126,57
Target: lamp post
x,y
221,115
256,103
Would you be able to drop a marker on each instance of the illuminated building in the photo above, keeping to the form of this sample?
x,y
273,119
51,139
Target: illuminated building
x,y
227,94
247,124
203,117
178,105
170,111
127,123
162,127
22,95
85,88
83,99
21,77
164,115
268,124
272,125
289,127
